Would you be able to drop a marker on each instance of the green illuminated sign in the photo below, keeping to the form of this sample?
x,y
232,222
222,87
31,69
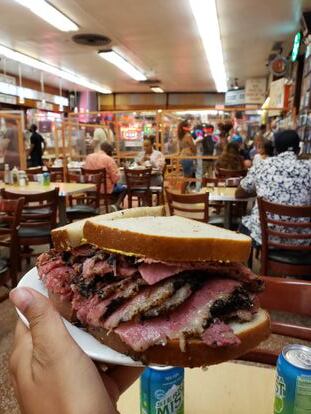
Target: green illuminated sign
x,y
296,46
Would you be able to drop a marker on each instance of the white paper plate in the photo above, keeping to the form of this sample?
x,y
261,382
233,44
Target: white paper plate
x,y
93,348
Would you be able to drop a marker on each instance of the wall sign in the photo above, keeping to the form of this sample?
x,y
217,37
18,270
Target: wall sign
x,y
255,91
235,97
277,96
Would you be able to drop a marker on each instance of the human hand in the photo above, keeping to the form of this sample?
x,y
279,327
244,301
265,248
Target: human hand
x,y
50,373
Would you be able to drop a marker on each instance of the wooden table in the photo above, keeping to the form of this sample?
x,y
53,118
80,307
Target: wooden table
x,y
227,196
65,189
229,388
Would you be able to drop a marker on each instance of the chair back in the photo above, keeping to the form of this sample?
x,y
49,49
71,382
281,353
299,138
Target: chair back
x,y
34,170
224,174
10,216
90,198
138,179
287,295
56,173
193,206
103,173
39,209
283,227
210,182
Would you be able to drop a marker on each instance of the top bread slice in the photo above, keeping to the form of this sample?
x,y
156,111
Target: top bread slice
x,y
71,235
167,239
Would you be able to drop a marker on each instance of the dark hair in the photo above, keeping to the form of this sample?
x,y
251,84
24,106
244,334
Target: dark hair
x,y
263,128
107,148
180,130
287,140
233,148
268,148
33,128
150,138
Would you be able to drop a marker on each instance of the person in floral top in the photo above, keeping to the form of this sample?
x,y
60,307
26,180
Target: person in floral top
x,y
282,179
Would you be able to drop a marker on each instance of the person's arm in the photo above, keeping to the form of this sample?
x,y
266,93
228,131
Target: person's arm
x,y
159,161
44,145
50,373
139,159
247,187
113,171
32,144
191,143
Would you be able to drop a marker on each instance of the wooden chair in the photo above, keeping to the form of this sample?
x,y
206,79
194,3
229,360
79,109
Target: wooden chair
x,y
284,295
10,216
138,183
280,252
39,217
57,174
193,206
85,204
108,199
34,170
158,190
224,174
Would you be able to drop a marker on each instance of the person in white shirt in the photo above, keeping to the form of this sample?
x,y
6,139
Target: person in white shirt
x,y
150,157
282,179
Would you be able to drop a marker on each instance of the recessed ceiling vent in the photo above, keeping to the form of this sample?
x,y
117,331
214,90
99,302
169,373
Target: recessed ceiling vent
x,y
87,39
150,82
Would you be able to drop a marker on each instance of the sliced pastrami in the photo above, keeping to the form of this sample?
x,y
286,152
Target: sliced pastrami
x,y
146,299
219,334
95,266
189,318
153,272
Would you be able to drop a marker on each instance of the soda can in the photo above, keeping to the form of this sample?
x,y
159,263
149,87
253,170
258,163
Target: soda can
x,y
162,390
293,381
46,178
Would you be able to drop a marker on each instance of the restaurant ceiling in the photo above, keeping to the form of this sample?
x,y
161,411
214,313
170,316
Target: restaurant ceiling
x,y
159,36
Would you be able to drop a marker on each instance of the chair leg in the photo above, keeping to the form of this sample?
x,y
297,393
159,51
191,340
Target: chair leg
x,y
130,201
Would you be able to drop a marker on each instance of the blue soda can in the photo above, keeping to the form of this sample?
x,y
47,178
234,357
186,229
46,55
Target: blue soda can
x,y
293,381
46,178
162,390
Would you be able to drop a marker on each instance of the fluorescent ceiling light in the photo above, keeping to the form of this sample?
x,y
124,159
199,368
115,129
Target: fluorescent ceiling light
x,y
117,60
205,14
157,89
50,14
63,74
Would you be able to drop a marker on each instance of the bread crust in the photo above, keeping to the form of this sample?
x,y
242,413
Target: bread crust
x,y
71,235
165,248
196,354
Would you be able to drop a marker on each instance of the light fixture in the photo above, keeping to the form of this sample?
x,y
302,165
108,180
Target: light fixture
x,y
64,74
205,14
156,89
121,63
50,14
235,86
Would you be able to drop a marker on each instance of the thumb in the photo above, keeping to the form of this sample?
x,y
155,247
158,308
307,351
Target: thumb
x,y
46,326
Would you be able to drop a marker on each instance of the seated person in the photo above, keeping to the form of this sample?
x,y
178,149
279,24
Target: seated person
x,y
102,159
283,179
150,157
236,138
264,150
230,159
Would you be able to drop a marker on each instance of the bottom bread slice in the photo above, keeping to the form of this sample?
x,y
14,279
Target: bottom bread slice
x,y
196,353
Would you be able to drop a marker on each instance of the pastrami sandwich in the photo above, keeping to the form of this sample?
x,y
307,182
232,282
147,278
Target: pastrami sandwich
x,y
164,290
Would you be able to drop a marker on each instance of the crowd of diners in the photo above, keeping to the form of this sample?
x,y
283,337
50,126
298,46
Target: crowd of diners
x,y
272,170
270,165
